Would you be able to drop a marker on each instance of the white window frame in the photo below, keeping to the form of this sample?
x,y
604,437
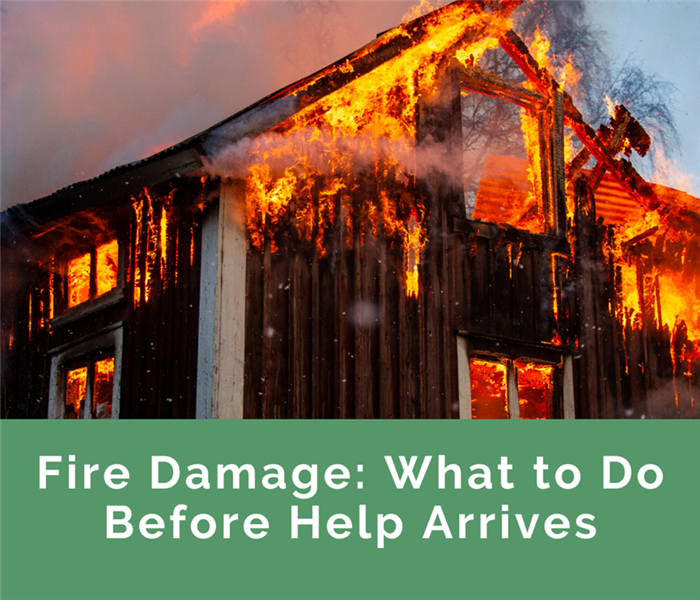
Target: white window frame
x,y
109,339
465,384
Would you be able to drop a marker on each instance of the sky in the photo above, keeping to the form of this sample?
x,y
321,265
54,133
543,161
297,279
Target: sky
x,y
665,36
89,85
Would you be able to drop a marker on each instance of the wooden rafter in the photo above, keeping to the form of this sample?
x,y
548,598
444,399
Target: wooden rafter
x,y
621,169
477,80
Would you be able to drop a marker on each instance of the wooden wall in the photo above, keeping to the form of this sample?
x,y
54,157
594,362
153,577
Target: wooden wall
x,y
159,368
336,336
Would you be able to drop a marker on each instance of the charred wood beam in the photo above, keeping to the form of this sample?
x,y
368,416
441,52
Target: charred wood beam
x,y
614,140
475,79
629,244
511,235
503,347
283,104
577,163
519,52
621,169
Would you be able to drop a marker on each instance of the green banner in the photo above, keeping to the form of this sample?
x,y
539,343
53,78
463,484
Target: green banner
x,y
318,509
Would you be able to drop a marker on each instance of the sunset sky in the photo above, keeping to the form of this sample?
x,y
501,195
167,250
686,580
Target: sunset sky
x,y
90,85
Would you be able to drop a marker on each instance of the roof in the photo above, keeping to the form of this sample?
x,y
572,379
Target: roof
x,y
191,154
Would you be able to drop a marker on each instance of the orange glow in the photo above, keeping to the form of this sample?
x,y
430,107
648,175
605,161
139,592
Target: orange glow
x,y
163,244
76,385
555,300
30,314
153,217
107,256
610,105
679,303
414,243
151,247
137,205
191,246
539,48
51,284
533,215
216,12
305,172
79,280
489,389
506,196
102,390
534,390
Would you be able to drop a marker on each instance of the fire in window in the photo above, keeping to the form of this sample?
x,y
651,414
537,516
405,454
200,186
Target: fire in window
x,y
502,172
504,389
91,274
89,389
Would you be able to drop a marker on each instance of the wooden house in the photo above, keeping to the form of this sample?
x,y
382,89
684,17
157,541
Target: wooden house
x,y
404,234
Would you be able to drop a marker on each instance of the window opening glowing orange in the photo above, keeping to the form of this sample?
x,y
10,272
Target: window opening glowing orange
x,y
489,389
79,280
107,267
90,275
102,389
534,390
76,387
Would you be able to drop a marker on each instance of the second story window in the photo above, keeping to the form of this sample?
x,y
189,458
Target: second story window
x,y
85,276
92,274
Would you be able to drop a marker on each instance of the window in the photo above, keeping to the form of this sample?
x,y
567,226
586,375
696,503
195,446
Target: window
x,y
85,276
89,389
502,182
502,389
85,377
501,379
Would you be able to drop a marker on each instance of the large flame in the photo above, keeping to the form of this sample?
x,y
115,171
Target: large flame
x,y
310,168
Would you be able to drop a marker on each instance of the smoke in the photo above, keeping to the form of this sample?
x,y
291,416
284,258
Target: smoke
x,y
320,151
87,86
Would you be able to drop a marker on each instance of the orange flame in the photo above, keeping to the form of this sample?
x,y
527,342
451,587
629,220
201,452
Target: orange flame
x,y
534,389
306,173
489,390
79,280
610,105
51,292
137,205
534,220
76,386
107,256
102,389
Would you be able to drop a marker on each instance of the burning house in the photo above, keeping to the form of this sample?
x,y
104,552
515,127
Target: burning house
x,y
406,233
